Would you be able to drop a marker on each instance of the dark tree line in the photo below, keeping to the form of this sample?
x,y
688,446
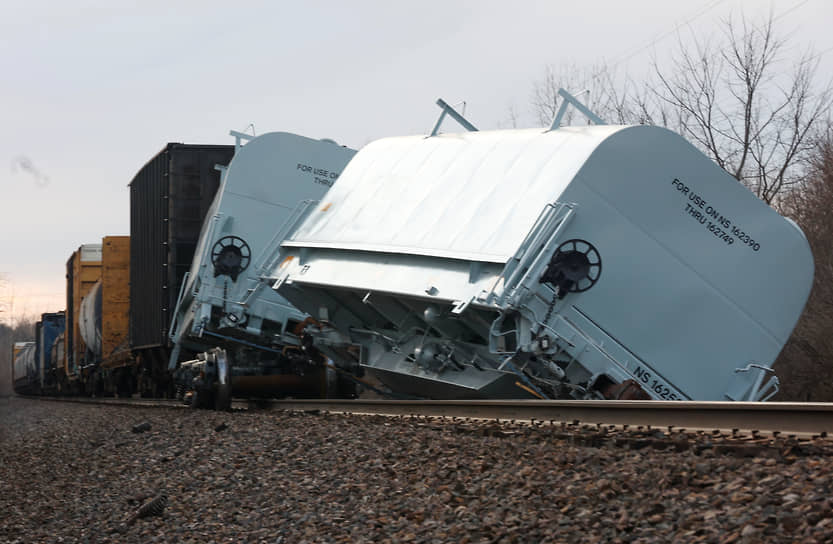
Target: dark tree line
x,y
806,363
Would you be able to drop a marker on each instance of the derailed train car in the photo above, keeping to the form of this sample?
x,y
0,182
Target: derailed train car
x,y
582,262
251,330
593,262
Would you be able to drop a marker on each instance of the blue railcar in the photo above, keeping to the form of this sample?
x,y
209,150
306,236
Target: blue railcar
x,y
47,331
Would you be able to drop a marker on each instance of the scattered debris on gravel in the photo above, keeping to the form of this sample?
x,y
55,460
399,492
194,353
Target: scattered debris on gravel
x,y
79,473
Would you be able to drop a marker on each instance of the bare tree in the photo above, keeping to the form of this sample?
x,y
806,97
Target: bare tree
x,y
736,101
597,87
512,117
737,98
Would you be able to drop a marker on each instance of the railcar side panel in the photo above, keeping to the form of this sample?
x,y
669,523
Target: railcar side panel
x,y
115,302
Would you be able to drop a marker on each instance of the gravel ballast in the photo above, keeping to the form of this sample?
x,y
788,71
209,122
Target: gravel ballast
x,y
82,473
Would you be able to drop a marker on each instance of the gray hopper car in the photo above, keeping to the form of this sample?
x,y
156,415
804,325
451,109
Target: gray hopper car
x,y
581,262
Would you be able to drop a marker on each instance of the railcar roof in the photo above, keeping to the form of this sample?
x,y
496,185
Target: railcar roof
x,y
473,195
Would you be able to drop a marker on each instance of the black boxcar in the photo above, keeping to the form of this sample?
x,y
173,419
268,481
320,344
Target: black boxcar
x,y
169,198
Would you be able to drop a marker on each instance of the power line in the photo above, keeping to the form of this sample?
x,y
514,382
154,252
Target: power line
x,y
696,15
795,7
664,35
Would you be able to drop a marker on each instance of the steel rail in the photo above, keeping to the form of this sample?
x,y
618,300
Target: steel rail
x,y
112,401
783,417
803,418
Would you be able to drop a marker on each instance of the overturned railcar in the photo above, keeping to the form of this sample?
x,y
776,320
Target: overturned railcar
x,y
264,193
583,262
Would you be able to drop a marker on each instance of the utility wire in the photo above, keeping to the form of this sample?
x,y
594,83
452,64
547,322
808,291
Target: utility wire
x,y
708,7
693,17
795,7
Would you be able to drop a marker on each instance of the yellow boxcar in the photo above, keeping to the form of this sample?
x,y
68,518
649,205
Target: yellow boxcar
x,y
115,301
83,271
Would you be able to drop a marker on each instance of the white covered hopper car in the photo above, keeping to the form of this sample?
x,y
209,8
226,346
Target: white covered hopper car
x,y
223,308
582,262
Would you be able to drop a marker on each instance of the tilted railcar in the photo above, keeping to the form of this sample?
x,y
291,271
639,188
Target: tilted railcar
x,y
581,262
264,192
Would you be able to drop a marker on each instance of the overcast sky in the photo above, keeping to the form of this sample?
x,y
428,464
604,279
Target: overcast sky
x,y
91,90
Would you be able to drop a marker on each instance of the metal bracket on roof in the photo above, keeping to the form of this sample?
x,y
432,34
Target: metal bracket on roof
x,y
448,110
238,136
570,99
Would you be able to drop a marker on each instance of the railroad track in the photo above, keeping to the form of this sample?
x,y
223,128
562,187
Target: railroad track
x,y
795,418
770,417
